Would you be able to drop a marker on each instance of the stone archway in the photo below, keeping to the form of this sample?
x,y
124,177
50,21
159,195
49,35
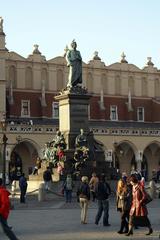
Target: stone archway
x,y
151,156
24,156
125,157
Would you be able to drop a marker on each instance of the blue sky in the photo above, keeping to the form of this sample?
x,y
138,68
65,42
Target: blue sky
x,y
107,26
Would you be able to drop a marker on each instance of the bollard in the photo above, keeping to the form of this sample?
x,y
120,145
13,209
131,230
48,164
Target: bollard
x,y
152,189
41,193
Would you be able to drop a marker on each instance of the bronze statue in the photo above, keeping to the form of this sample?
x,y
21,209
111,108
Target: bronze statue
x,y
81,139
74,62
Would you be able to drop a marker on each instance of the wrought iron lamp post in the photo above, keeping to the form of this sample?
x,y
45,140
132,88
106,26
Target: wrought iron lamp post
x,y
4,142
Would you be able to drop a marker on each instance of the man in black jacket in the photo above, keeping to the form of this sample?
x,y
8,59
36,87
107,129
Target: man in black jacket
x,y
102,191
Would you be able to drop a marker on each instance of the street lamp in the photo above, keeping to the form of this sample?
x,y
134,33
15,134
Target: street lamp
x,y
4,142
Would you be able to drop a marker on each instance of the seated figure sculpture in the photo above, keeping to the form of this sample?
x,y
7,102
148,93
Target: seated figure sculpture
x,y
81,152
81,139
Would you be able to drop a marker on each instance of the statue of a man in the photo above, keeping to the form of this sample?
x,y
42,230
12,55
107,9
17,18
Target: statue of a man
x,y
74,62
1,24
81,139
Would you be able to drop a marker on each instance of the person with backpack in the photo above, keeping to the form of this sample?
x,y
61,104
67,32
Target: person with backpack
x,y
68,187
102,191
4,212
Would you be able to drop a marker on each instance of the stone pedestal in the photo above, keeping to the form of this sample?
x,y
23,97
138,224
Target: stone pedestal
x,y
73,115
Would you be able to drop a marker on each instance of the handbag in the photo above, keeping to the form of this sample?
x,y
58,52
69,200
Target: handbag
x,y
148,198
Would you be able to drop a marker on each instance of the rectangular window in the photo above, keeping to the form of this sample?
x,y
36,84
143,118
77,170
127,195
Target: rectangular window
x,y
55,110
25,108
113,113
140,114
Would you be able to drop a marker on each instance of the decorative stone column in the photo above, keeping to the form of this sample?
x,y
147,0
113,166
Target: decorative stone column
x,y
139,158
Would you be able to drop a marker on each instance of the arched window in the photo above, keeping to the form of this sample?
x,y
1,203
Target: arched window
x,y
13,76
117,85
131,85
44,78
29,78
60,79
104,83
157,88
89,82
144,87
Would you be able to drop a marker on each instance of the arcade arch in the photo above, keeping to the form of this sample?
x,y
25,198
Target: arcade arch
x,y
151,159
23,157
125,157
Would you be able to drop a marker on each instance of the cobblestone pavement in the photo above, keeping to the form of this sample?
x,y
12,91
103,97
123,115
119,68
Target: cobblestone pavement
x,y
54,219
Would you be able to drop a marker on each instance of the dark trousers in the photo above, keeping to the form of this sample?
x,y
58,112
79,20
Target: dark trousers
x,y
103,207
93,196
23,195
124,220
68,195
7,230
141,221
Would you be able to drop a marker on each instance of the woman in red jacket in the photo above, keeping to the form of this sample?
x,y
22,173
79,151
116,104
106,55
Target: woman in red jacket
x,y
4,212
138,211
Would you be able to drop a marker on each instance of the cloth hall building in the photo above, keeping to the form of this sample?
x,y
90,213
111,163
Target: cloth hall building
x,y
124,110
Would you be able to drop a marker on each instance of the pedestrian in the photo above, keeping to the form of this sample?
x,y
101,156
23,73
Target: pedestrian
x,y
13,188
23,188
124,199
4,212
68,187
35,170
138,211
47,177
92,183
102,191
84,197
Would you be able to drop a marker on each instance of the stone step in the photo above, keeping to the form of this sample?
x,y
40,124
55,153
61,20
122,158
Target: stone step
x,y
39,177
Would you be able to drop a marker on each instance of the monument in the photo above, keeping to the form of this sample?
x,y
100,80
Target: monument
x,y
73,118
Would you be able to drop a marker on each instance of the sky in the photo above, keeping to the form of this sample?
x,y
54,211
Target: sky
x,y
107,26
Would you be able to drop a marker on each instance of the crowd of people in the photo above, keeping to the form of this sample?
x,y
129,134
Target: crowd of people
x,y
131,200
